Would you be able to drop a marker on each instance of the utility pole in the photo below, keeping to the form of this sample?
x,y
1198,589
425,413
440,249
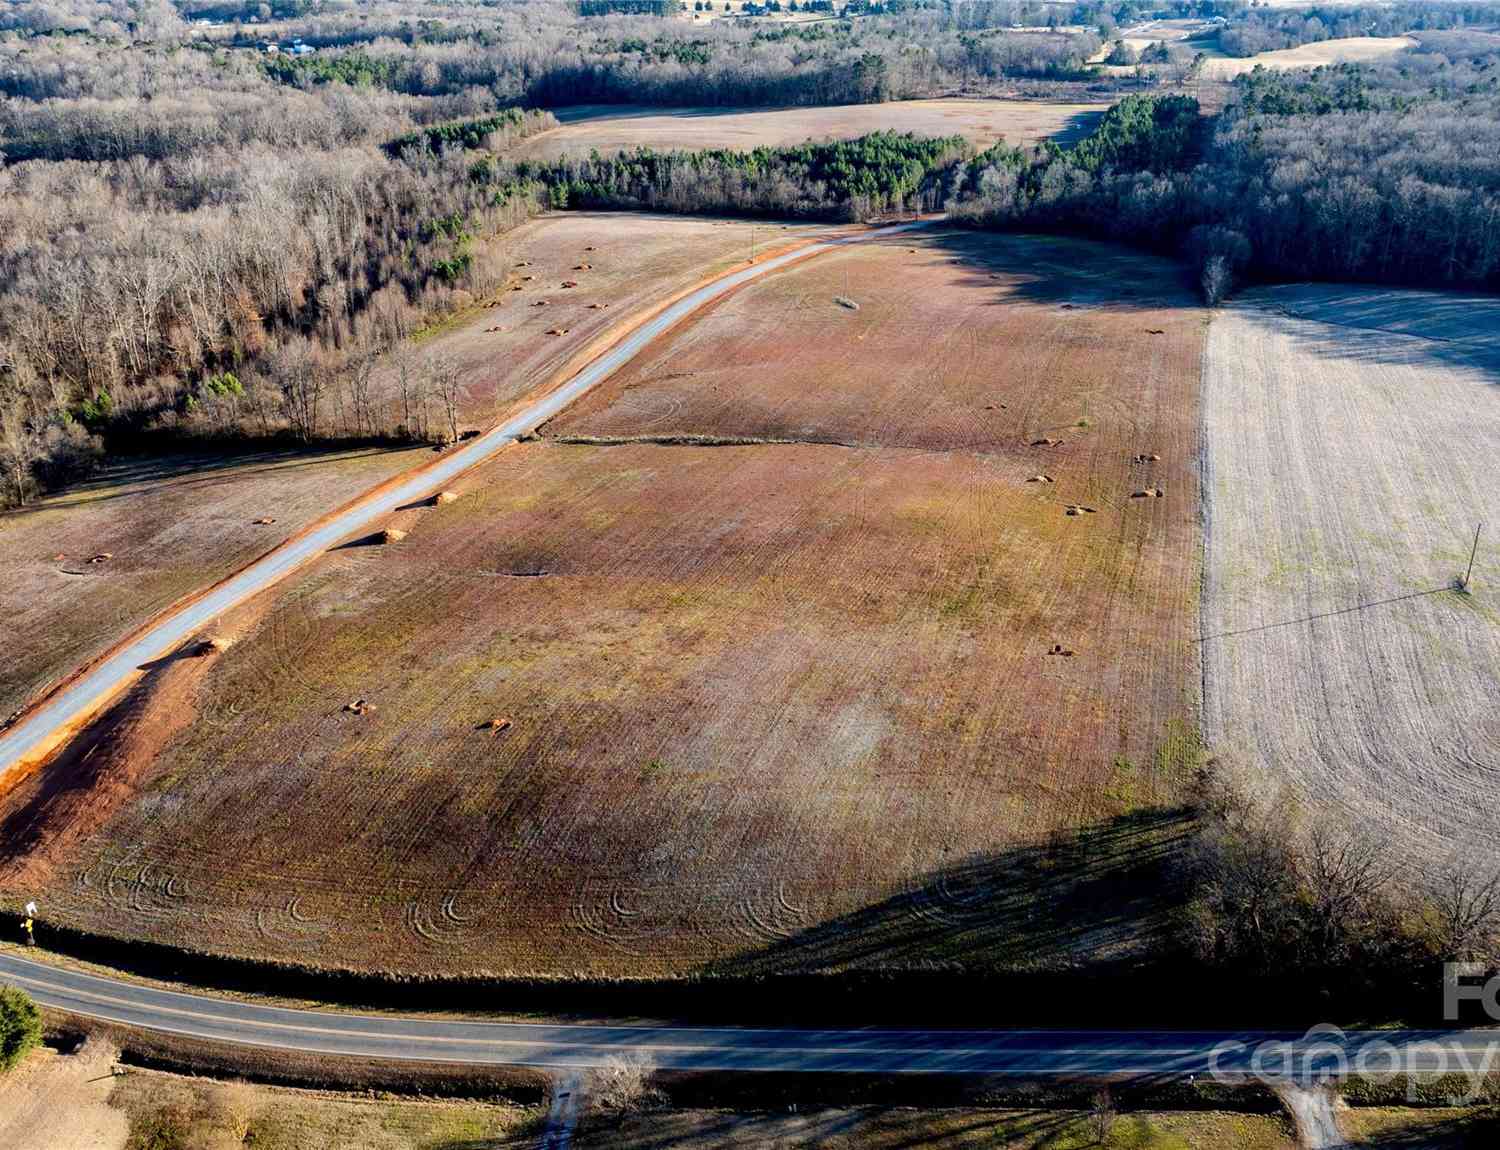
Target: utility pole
x,y
1473,551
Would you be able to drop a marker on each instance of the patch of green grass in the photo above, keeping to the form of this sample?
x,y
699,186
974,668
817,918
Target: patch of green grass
x,y
1180,754
1123,779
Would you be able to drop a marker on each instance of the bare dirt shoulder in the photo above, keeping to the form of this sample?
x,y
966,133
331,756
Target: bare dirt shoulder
x,y
56,1101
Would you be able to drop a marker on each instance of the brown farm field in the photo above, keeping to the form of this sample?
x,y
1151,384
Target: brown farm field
x,y
170,526
1353,49
507,346
1351,440
173,525
868,697
612,128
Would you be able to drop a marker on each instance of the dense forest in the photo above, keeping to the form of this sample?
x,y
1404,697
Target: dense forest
x,y
846,180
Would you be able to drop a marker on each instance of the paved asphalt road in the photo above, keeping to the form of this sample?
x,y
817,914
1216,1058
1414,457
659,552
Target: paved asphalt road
x,y
565,1047
82,698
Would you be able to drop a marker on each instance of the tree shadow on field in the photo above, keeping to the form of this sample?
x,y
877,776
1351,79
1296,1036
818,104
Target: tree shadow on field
x,y
1076,127
1360,323
1480,1128
891,1127
1370,324
143,476
1090,898
1071,274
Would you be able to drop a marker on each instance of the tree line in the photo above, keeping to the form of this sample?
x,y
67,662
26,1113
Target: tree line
x,y
1273,895
846,179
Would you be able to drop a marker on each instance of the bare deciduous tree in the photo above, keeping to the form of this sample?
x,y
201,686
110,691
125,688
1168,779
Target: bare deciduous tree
x,y
1465,909
300,380
448,384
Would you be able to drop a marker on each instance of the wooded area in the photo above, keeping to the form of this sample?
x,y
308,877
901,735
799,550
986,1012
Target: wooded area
x,y
1375,171
201,238
1269,29
848,179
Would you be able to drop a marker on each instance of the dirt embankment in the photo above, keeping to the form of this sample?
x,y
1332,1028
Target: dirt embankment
x,y
50,811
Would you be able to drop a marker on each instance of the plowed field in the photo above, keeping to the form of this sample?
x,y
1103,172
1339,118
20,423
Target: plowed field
x,y
1351,445
169,527
771,705
530,330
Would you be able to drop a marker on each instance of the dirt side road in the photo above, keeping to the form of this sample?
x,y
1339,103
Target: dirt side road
x,y
58,1101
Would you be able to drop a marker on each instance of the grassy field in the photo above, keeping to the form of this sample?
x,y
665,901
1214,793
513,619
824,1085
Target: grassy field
x,y
170,526
610,128
1353,49
167,1110
898,1128
1351,439
772,706
73,1102
1436,1129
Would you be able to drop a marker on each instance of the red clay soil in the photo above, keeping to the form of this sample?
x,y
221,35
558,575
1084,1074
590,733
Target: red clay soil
x,y
107,765
772,706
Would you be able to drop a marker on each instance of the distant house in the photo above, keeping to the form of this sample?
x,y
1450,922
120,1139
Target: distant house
x,y
300,49
269,49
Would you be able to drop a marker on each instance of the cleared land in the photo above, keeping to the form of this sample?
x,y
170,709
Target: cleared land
x,y
610,128
979,343
58,1101
508,345
771,706
169,526
1142,36
1354,50
173,525
1351,437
